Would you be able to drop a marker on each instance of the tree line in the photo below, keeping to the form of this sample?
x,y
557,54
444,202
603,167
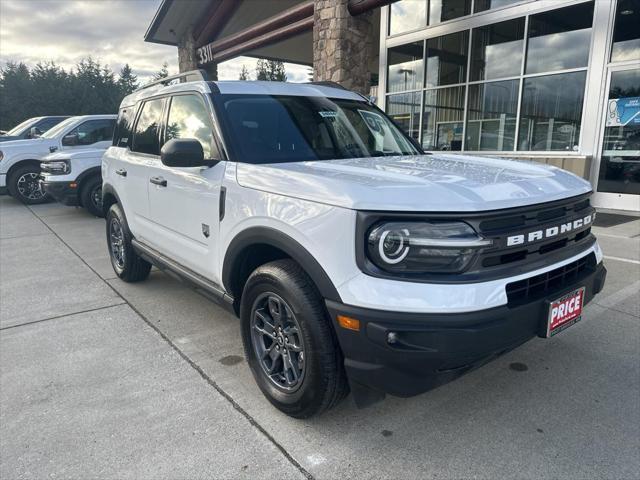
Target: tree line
x,y
47,89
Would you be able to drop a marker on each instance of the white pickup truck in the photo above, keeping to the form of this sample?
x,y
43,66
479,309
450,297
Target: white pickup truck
x,y
353,259
20,159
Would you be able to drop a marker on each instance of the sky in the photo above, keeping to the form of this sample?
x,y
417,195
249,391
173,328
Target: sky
x,y
111,31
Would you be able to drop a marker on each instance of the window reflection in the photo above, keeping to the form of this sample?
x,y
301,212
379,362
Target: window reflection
x,y
626,34
482,5
189,118
405,67
496,50
404,108
551,112
443,10
447,59
559,39
620,164
442,119
491,118
407,15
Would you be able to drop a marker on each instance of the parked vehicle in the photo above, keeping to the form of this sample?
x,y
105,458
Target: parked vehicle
x,y
32,128
74,178
20,160
351,257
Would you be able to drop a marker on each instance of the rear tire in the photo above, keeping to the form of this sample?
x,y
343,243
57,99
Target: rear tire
x,y
24,185
289,341
127,264
91,195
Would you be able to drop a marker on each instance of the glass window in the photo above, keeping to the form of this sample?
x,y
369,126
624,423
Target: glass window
x,y
146,137
404,109
491,117
626,34
122,135
93,131
443,10
406,65
189,118
407,15
620,164
496,50
447,59
279,128
442,119
559,39
48,123
551,112
482,5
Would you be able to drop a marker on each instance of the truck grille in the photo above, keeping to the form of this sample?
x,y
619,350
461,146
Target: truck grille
x,y
551,282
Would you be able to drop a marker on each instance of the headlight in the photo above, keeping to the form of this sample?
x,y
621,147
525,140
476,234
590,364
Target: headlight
x,y
56,167
423,247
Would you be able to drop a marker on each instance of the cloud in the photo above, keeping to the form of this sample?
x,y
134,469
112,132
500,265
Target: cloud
x,y
111,31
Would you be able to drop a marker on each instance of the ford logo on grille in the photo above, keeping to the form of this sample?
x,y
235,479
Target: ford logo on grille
x,y
550,232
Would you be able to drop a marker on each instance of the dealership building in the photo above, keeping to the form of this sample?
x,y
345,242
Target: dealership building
x,y
554,81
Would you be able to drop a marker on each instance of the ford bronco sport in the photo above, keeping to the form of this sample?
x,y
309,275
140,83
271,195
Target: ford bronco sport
x,y
354,260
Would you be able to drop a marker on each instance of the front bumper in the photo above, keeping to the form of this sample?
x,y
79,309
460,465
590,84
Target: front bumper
x,y
429,350
64,192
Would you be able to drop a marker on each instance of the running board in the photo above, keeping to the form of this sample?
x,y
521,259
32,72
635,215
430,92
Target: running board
x,y
202,285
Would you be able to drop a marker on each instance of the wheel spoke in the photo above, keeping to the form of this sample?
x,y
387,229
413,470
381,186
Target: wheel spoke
x,y
275,309
264,332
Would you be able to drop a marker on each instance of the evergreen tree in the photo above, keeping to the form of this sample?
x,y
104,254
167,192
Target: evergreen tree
x,y
244,73
162,73
127,81
272,70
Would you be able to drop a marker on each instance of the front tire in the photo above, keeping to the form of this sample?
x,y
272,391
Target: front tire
x,y
91,195
24,185
289,342
127,264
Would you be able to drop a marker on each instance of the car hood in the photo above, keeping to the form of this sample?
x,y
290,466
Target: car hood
x,y
443,182
76,154
36,145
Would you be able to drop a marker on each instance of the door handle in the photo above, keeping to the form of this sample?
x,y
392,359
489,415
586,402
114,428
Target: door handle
x,y
122,172
158,181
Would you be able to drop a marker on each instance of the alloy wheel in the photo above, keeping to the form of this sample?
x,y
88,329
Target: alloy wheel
x,y
277,342
96,197
28,186
116,242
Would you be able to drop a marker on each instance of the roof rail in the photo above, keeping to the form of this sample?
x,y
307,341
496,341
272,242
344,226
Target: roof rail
x,y
327,84
191,76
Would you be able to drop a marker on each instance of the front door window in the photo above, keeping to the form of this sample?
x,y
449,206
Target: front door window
x,y
620,164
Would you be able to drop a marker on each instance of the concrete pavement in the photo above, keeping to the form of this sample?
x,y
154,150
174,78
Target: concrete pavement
x,y
148,380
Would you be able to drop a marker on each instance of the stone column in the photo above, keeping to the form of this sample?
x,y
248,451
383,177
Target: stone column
x,y
342,45
187,59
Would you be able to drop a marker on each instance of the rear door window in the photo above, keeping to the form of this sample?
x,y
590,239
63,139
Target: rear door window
x,y
146,137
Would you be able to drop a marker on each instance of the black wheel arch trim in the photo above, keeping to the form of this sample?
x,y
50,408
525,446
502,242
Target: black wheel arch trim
x,y
91,172
107,189
275,238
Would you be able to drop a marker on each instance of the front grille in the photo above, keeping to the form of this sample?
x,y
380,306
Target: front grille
x,y
554,281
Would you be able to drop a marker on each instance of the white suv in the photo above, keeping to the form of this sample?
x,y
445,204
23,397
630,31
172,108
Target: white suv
x,y
20,159
353,259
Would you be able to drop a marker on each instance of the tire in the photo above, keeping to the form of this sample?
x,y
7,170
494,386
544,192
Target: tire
x,y
127,264
24,185
309,374
91,195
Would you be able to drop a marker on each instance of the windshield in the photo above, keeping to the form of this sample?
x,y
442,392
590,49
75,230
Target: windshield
x,y
15,131
274,128
59,128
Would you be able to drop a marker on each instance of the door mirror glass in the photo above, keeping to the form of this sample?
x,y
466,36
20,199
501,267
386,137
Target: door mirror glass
x,y
70,140
34,132
184,152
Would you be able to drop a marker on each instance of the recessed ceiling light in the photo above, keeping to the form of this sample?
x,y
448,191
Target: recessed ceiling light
x,y
626,12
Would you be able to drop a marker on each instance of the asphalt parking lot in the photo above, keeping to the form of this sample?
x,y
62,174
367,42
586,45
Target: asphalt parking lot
x,y
103,379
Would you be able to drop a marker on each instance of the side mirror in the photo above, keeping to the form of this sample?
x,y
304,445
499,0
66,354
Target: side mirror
x,y
184,152
70,140
34,132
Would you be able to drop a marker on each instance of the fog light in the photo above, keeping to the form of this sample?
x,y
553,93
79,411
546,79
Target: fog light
x,y
392,337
